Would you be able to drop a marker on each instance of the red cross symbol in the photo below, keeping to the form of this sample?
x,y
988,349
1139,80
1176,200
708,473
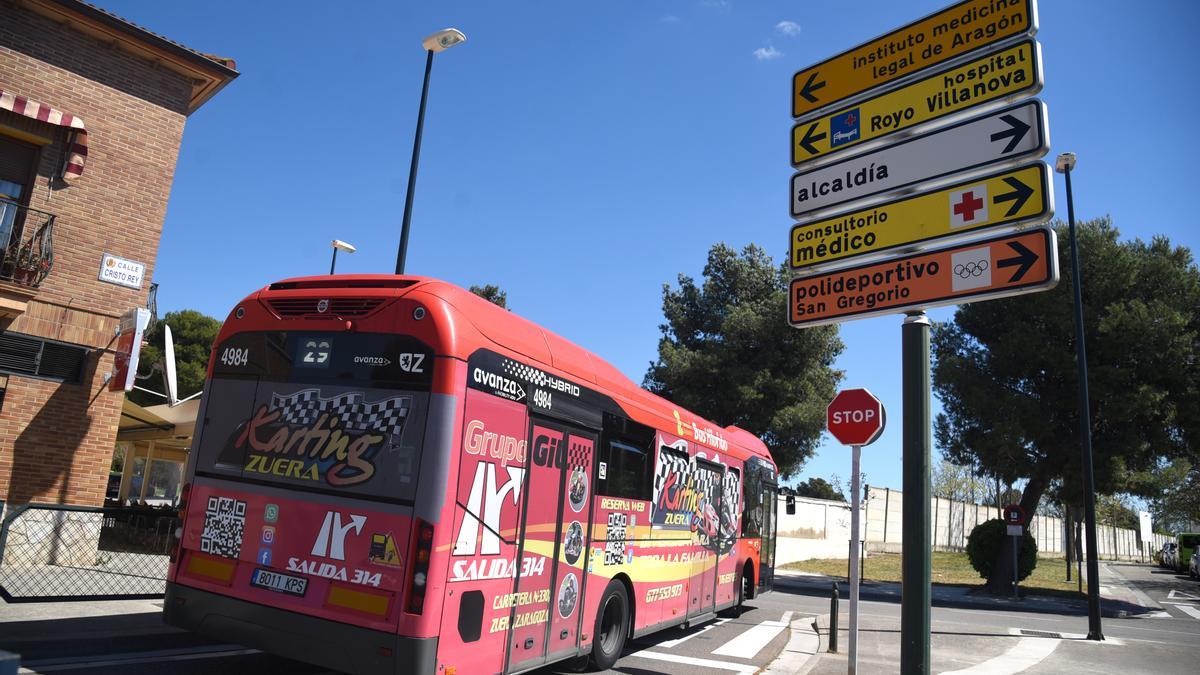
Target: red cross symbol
x,y
968,206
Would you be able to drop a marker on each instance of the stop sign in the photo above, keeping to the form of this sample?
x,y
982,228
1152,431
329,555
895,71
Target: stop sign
x,y
855,417
1014,514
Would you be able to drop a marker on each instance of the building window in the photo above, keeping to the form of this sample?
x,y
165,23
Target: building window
x,y
18,166
38,357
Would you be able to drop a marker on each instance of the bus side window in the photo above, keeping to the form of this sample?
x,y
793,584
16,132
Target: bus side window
x,y
752,516
628,458
628,473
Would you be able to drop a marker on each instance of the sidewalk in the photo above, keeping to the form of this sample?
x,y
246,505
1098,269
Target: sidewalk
x,y
37,629
954,649
1118,599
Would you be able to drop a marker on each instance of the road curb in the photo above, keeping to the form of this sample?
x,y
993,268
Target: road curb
x,y
802,651
1038,604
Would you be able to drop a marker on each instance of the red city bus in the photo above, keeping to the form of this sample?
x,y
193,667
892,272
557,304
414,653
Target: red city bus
x,y
392,475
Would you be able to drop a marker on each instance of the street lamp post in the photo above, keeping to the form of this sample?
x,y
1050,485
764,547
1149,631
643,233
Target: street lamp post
x,y
439,41
339,245
1065,163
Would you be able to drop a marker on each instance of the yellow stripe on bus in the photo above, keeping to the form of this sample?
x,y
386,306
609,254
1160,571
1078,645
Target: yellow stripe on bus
x,y
212,568
371,603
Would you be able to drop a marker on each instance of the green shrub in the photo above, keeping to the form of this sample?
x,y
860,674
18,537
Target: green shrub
x,y
987,542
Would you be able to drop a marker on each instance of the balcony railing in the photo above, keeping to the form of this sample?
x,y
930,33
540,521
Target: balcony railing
x,y
26,243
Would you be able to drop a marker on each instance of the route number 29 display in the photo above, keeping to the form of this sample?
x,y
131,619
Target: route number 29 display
x,y
315,353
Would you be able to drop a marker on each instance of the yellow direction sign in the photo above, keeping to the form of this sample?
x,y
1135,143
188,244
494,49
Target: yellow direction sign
x,y
999,76
955,31
1022,195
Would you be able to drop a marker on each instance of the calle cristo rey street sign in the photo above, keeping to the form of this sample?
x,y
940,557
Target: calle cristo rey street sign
x,y
958,30
1010,264
1010,73
1000,199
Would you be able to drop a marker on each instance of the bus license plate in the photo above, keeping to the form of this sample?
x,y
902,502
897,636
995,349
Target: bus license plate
x,y
280,583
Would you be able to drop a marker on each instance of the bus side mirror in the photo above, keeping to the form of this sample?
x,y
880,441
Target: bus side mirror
x,y
790,505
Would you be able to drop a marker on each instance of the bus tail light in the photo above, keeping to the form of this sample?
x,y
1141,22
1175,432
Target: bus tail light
x,y
183,502
418,574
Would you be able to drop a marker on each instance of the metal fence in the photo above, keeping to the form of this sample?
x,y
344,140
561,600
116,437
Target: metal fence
x,y
54,552
26,244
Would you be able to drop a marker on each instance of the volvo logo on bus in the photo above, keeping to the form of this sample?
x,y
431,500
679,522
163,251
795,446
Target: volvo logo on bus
x,y
323,305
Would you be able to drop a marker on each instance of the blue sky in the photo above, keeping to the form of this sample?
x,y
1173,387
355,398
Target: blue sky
x,y
581,155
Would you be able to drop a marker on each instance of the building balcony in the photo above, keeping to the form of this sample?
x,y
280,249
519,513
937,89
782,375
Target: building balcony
x,y
26,256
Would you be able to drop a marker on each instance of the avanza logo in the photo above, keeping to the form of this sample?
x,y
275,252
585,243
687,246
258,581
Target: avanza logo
x,y
304,436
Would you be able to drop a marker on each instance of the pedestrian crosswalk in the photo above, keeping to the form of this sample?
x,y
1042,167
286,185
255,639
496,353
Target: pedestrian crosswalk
x,y
723,645
751,641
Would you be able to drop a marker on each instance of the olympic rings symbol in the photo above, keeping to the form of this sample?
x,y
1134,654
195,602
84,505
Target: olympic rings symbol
x,y
971,269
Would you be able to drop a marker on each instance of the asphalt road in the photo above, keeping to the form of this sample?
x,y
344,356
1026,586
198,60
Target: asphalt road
x,y
1162,643
738,644
1176,592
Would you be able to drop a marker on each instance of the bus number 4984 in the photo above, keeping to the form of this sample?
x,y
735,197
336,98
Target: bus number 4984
x,y
235,356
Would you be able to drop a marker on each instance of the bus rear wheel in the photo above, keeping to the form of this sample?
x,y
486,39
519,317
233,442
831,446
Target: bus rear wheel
x,y
612,626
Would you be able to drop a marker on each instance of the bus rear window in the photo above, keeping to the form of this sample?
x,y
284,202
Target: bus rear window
x,y
342,412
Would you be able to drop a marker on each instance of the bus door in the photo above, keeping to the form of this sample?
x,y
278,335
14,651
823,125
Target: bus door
x,y
546,614
770,502
707,481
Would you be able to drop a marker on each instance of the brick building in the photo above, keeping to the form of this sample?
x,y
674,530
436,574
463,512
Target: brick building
x,y
92,111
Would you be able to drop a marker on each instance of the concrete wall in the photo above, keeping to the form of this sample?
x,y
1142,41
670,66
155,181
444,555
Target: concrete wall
x,y
821,529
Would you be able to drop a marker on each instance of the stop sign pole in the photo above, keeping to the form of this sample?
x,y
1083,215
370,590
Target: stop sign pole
x,y
856,418
1014,516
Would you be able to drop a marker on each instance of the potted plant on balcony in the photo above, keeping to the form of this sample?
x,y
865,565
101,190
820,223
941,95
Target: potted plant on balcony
x,y
28,266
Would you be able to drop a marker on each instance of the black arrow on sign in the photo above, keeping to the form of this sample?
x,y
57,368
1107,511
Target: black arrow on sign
x,y
1020,194
1016,132
1025,258
809,87
810,138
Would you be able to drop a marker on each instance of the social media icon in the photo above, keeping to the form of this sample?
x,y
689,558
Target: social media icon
x,y
271,513
268,535
264,556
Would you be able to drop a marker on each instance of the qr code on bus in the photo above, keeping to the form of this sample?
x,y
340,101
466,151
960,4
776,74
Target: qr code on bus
x,y
614,547
224,522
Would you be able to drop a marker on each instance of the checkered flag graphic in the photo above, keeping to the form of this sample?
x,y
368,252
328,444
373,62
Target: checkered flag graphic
x,y
731,496
704,482
525,373
579,455
669,463
306,407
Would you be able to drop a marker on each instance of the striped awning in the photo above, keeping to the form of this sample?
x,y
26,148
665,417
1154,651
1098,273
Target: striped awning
x,y
76,144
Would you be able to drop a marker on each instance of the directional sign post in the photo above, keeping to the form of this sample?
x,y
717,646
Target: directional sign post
x,y
960,29
1006,135
1021,195
1010,264
856,418
1010,73
910,140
